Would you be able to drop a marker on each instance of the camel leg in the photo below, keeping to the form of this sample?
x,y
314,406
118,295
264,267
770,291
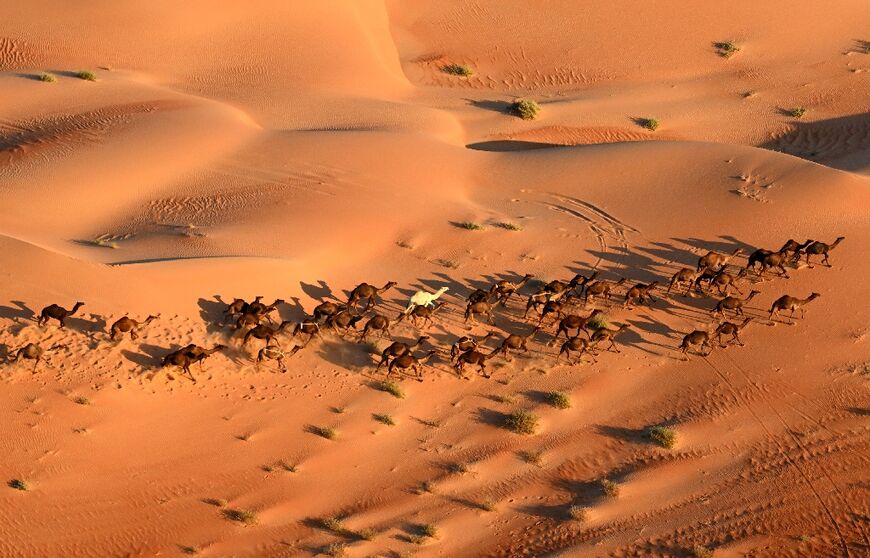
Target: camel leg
x,y
737,338
825,260
186,368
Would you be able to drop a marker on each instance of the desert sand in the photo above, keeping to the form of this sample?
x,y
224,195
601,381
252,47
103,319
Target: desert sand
x,y
293,150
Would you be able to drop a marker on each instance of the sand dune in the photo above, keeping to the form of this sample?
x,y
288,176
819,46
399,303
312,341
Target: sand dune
x,y
294,151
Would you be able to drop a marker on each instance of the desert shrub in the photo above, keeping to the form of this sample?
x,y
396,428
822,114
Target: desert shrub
x,y
509,399
487,505
391,387
324,432
597,322
663,436
86,75
701,551
217,502
336,550
81,400
384,419
19,484
610,488
333,524
559,399
797,112
46,77
533,457
522,422
457,70
471,226
650,124
367,534
510,226
242,516
578,513
429,530
726,49
526,109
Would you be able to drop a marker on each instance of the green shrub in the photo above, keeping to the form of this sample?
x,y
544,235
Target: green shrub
x,y
522,422
242,516
663,436
385,419
19,484
610,488
797,112
46,77
650,124
457,70
726,49
526,109
578,513
471,226
391,387
701,551
559,399
510,226
86,75
324,432
429,530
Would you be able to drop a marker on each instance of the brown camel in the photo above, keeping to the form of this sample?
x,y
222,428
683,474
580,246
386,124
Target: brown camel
x,y
820,248
326,310
579,323
732,329
125,324
684,276
265,332
695,338
309,327
540,299
377,322
576,344
787,302
238,306
716,261
408,360
776,260
756,258
504,290
514,342
640,292
31,351
792,247
343,321
53,311
556,307
473,357
424,313
368,292
476,308
724,280
275,353
188,355
467,343
601,288
733,303
478,295
397,349
604,334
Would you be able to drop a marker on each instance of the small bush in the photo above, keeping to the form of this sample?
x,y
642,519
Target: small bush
x,y
427,487
242,516
797,112
385,419
392,388
19,484
726,49
217,502
650,124
559,399
48,78
471,226
701,551
336,550
509,399
81,400
429,530
487,505
578,513
332,524
324,432
597,322
533,457
526,109
664,436
189,550
449,264
510,226
459,468
522,422
367,534
610,488
288,467
86,75
457,70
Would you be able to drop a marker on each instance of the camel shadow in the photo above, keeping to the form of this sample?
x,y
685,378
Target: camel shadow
x,y
151,356
319,292
212,313
15,314
345,354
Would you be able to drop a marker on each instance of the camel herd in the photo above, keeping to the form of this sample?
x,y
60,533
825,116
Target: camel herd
x,y
553,306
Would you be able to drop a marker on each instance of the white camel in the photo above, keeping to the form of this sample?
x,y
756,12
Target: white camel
x,y
423,298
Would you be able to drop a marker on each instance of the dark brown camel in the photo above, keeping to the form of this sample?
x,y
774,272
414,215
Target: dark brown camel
x,y
732,329
473,357
576,344
368,292
125,324
424,313
733,303
408,360
275,353
238,306
53,311
601,288
822,249
476,308
604,334
478,295
343,321
514,342
684,276
693,339
397,349
556,307
308,327
377,322
504,290
579,323
188,355
263,310
791,247
640,292
265,332
756,258
467,343
31,351
787,302
326,310
716,261
777,260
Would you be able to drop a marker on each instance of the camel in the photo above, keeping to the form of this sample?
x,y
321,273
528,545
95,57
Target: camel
x,y
275,353
543,298
343,321
820,248
579,323
309,327
326,310
53,311
723,280
467,343
476,308
421,313
425,299
188,355
733,303
697,337
716,261
397,349
791,246
684,276
557,287
473,357
732,329
125,324
504,290
787,302
247,320
576,344
478,295
556,307
640,292
605,334
514,342
408,360
31,351
601,288
263,310
376,323
265,332
757,258
237,306
775,260
369,292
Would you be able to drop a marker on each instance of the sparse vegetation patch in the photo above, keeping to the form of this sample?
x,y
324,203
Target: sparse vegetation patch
x,y
241,516
610,488
663,436
559,399
48,78
522,422
86,75
797,112
526,109
457,70
391,387
19,484
726,49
